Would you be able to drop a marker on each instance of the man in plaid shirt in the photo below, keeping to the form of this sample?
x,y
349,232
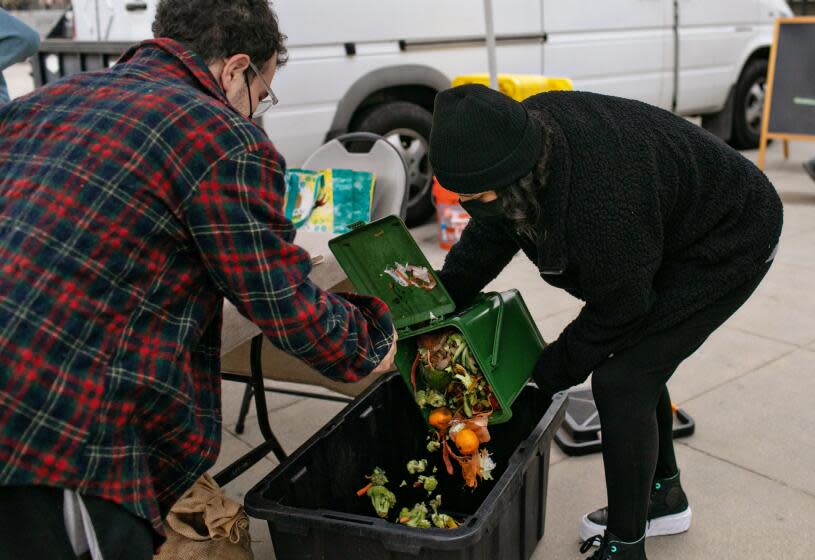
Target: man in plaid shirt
x,y
132,201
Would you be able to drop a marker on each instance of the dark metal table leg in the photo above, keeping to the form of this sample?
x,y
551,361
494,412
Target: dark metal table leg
x,y
245,402
260,398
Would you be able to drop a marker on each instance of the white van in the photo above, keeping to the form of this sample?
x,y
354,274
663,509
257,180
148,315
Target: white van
x,y
376,65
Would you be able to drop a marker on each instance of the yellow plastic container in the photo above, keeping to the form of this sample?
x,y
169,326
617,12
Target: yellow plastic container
x,y
518,86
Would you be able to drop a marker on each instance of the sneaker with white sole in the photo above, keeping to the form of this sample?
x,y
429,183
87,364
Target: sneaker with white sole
x,y
668,512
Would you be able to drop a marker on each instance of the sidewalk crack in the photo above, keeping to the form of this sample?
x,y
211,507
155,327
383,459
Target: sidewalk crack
x,y
748,469
742,375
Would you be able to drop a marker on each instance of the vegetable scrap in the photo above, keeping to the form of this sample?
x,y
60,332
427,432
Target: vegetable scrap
x,y
445,376
416,517
441,520
414,466
429,483
407,275
381,498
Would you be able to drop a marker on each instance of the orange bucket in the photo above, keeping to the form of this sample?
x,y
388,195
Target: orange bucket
x,y
452,218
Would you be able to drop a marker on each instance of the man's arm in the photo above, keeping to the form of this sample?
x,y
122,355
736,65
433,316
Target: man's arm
x,y
236,220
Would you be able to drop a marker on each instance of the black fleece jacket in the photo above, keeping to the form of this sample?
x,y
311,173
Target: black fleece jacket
x,y
646,217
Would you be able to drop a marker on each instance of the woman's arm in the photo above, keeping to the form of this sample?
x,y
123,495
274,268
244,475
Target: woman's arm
x,y
482,253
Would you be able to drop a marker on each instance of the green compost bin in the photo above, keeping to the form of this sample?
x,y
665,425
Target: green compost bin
x,y
498,327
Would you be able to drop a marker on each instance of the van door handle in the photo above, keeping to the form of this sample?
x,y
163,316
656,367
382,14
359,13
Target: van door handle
x,y
136,6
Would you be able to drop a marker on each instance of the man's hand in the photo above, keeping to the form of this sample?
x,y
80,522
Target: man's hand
x,y
387,362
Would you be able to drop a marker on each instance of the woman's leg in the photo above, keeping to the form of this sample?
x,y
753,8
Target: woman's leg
x,y
627,389
627,401
666,458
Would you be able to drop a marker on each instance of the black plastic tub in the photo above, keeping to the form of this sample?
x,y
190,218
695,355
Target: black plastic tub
x,y
313,512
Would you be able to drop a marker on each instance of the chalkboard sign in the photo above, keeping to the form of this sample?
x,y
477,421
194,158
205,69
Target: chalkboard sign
x,y
789,106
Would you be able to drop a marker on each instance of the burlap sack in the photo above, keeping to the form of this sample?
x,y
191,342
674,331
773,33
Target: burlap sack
x,y
206,525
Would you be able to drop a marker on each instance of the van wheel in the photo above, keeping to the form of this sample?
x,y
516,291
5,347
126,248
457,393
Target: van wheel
x,y
748,105
406,126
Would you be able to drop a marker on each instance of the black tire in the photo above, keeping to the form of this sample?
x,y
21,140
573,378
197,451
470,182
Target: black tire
x,y
748,105
412,124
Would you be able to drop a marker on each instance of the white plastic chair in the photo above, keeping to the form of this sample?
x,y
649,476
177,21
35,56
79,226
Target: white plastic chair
x,y
382,159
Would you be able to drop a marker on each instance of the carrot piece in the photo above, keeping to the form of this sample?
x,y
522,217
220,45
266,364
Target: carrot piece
x,y
413,372
446,456
362,491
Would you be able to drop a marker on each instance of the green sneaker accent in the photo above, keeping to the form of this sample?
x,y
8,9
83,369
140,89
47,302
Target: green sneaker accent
x,y
610,546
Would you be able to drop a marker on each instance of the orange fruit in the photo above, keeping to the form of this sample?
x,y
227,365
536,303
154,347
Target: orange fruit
x,y
440,417
467,442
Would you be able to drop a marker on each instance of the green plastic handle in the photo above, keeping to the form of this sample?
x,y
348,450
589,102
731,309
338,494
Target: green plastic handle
x,y
496,343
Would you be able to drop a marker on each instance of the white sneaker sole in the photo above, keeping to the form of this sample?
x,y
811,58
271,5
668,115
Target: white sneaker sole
x,y
666,525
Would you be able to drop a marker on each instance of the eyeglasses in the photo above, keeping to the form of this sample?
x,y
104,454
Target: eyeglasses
x,y
267,103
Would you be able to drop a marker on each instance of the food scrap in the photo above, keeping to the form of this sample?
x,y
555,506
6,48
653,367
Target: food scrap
x,y
414,466
381,498
416,517
446,377
429,483
441,520
407,275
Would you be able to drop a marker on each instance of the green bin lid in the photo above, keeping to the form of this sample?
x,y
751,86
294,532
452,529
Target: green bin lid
x,y
365,252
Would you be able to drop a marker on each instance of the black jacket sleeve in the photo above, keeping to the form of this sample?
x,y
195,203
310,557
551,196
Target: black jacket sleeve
x,y
480,255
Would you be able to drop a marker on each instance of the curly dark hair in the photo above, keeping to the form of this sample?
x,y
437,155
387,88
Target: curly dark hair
x,y
222,28
520,201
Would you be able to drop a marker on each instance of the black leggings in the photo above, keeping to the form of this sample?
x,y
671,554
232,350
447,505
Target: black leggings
x,y
635,410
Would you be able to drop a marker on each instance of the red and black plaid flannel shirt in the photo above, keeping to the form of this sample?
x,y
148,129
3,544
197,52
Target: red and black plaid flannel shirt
x,y
132,201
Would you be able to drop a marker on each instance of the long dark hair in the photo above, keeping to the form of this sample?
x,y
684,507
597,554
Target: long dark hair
x,y
520,201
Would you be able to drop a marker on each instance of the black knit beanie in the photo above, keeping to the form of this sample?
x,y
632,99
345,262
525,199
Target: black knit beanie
x,y
481,140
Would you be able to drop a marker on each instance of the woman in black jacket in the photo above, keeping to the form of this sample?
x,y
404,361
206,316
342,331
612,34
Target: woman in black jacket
x,y
659,227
